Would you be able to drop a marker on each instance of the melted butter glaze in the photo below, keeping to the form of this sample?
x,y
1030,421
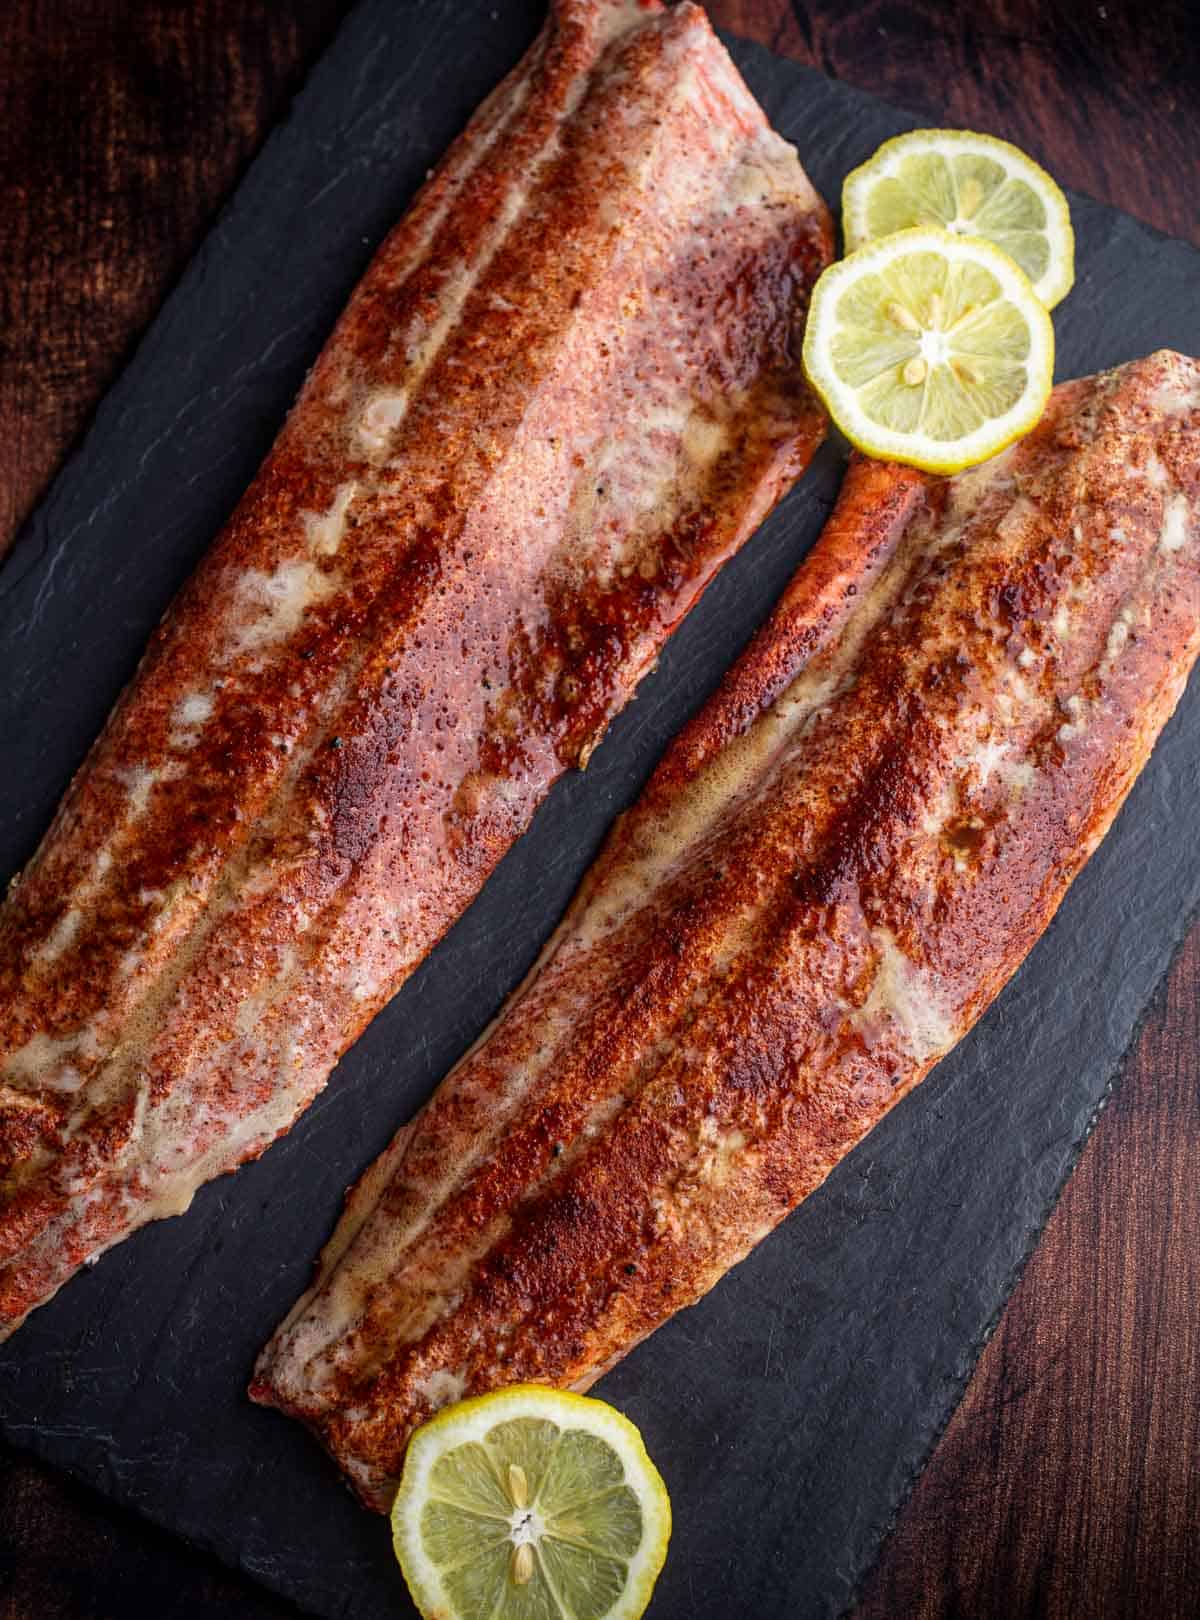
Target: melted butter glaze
x,y
833,871
564,393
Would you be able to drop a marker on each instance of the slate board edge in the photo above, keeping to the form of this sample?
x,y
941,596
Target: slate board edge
x,y
38,543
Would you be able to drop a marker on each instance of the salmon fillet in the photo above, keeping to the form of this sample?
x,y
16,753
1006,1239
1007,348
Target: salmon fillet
x,y
565,392
832,873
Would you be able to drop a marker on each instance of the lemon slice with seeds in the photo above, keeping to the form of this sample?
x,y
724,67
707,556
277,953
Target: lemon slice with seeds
x,y
929,348
974,185
530,1504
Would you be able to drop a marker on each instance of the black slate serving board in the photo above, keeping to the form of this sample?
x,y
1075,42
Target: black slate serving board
x,y
791,1410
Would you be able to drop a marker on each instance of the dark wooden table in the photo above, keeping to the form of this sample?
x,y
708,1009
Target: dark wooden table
x,y
1068,1482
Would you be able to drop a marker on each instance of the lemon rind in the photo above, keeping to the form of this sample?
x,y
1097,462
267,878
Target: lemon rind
x,y
471,1420
1052,287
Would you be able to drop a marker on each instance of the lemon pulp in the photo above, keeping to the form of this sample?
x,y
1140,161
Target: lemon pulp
x,y
975,185
530,1504
929,348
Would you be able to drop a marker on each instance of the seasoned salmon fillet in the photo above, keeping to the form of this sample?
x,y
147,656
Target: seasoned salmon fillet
x,y
834,870
565,392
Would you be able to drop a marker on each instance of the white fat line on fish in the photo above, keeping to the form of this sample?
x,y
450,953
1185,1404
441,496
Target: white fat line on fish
x,y
48,1060
1174,533
141,782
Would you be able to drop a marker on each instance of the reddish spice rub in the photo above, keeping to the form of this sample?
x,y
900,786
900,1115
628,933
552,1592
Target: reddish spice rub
x,y
565,392
833,871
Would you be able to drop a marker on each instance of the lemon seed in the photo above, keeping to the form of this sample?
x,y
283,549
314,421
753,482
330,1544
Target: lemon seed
x,y
914,372
521,1567
964,372
903,317
518,1485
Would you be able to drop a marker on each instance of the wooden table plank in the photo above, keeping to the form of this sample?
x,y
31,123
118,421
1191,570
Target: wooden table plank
x,y
1067,1481
1107,101
123,126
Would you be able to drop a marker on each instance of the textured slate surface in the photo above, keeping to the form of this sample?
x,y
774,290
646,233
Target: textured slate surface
x,y
789,1411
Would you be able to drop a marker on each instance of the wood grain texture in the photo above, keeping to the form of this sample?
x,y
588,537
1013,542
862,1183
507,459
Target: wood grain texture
x,y
123,125
1103,98
1067,1482
67,1554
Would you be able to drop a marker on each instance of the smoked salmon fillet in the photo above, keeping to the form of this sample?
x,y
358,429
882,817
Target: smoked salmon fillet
x,y
565,392
833,871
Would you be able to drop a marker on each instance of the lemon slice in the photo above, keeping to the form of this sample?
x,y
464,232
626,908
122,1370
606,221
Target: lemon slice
x,y
530,1504
929,348
974,185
